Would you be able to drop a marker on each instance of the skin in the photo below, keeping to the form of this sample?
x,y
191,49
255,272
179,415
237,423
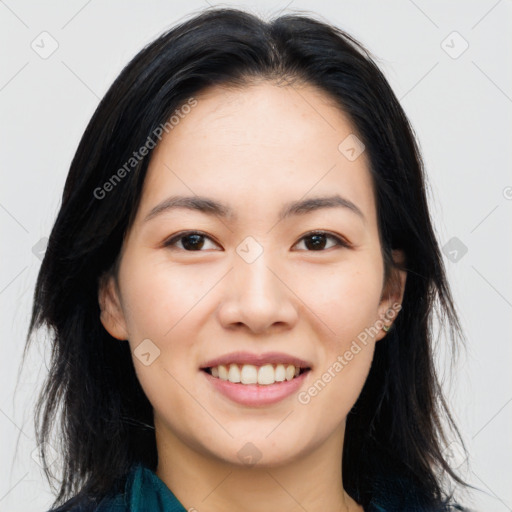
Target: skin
x,y
254,148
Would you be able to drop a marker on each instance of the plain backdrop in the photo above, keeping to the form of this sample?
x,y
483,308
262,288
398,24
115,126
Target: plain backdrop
x,y
449,63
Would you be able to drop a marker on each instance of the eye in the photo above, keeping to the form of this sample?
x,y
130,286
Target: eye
x,y
192,241
316,241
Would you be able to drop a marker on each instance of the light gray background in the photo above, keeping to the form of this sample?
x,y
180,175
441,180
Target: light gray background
x,y
459,105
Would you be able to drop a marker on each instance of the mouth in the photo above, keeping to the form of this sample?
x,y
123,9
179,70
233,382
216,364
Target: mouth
x,y
262,375
256,386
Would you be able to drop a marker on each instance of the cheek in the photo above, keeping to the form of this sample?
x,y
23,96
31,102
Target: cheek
x,y
158,297
159,304
346,300
347,304
163,304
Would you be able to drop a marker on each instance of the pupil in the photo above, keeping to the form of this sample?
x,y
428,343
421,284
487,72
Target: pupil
x,y
318,242
195,240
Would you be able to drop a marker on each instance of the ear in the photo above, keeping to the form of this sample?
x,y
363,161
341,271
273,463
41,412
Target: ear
x,y
392,294
111,316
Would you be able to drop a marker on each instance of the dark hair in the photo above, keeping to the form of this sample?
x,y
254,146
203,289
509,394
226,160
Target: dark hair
x,y
394,432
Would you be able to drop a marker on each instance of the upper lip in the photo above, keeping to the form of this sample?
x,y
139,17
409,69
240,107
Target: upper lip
x,y
256,359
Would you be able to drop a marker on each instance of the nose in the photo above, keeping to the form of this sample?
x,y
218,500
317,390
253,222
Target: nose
x,y
258,298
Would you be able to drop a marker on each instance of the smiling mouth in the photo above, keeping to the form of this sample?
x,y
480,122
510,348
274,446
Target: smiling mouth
x,y
264,375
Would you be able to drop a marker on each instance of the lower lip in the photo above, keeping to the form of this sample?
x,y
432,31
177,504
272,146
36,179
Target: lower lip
x,y
257,394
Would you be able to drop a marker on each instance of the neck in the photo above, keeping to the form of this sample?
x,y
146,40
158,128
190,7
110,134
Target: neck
x,y
200,481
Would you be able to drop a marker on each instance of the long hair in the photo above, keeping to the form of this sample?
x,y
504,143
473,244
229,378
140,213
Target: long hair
x,y
396,430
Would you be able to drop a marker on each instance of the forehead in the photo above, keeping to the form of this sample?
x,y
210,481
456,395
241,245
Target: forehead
x,y
257,146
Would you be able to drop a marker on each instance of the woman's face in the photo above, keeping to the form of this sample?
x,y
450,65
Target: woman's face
x,y
256,171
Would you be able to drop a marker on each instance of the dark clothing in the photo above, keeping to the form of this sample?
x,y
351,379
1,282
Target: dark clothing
x,y
146,492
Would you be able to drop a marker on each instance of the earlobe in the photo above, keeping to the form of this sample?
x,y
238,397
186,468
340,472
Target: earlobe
x,y
111,313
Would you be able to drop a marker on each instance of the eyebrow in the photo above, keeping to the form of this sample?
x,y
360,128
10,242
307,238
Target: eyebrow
x,y
212,207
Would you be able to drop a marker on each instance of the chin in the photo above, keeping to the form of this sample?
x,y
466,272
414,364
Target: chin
x,y
261,450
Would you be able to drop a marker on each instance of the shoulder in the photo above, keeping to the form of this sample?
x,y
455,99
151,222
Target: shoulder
x,y
141,490
114,501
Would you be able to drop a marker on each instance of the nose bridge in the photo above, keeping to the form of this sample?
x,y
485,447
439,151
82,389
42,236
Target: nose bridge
x,y
255,281
257,295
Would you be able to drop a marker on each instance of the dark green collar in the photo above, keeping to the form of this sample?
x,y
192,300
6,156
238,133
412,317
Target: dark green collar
x,y
147,492
144,492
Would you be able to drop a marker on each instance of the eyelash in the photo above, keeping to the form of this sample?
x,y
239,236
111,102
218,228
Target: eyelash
x,y
340,242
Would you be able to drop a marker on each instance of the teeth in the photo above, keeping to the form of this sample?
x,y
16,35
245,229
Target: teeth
x,y
266,374
223,372
234,373
250,374
280,373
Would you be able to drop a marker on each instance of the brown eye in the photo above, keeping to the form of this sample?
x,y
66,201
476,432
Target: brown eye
x,y
191,241
318,240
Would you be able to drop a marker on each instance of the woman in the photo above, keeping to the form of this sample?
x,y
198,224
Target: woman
x,y
241,283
